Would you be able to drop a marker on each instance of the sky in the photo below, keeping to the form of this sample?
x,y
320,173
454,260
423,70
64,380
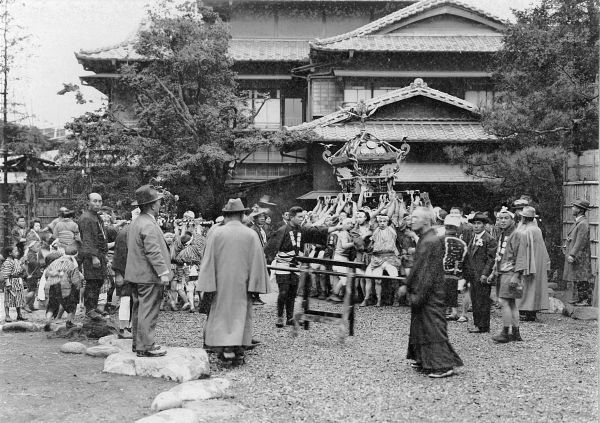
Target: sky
x,y
58,28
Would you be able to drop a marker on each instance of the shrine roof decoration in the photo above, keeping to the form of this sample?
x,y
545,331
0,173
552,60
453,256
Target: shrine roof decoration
x,y
364,38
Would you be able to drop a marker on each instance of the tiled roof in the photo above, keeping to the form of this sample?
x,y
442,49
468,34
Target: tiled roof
x,y
253,50
122,51
433,43
415,131
433,173
246,50
392,18
418,87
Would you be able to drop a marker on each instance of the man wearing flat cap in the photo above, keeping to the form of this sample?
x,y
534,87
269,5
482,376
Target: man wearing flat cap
x,y
148,269
481,255
578,255
233,268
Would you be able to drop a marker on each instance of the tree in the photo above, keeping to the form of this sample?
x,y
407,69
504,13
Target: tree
x,y
100,155
546,103
190,113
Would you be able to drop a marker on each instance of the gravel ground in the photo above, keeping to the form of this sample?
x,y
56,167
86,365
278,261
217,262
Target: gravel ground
x,y
552,376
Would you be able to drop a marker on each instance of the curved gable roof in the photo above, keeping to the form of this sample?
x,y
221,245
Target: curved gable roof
x,y
378,26
417,88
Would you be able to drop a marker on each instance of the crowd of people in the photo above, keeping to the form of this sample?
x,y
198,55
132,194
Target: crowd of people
x,y
146,262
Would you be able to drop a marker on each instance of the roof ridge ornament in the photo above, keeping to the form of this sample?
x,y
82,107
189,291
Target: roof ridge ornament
x,y
418,83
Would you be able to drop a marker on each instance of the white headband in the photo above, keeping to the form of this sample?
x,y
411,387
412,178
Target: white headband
x,y
504,210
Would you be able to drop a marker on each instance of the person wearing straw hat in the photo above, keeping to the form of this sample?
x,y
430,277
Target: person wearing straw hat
x,y
148,269
578,256
535,270
258,218
233,267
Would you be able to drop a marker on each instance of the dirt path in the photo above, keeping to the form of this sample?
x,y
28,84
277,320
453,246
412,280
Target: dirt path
x,y
40,384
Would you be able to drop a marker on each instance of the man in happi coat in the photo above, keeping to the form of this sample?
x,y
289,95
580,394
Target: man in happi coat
x,y
536,263
233,268
284,246
428,343
578,256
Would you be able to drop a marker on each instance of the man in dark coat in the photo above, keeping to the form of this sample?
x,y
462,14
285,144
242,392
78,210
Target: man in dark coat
x,y
578,255
481,254
148,269
93,252
123,288
285,244
428,343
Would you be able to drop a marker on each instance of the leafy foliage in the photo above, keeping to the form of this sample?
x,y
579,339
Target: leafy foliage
x,y
21,139
546,103
546,76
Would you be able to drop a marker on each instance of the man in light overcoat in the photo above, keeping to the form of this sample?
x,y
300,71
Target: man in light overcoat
x,y
148,270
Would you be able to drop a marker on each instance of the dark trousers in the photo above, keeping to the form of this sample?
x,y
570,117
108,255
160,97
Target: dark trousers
x,y
288,287
585,291
146,299
480,299
451,299
91,293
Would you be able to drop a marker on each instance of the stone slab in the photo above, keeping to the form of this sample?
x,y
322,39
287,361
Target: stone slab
x,y
180,364
215,409
73,348
195,390
102,350
122,363
174,415
21,327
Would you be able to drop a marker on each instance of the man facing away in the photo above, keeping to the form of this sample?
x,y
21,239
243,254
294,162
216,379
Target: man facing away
x,y
428,343
233,268
93,250
148,269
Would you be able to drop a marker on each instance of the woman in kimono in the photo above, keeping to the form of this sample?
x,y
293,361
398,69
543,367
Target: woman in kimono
x,y
12,273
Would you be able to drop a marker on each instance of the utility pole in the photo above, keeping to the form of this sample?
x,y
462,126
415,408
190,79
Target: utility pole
x,y
3,148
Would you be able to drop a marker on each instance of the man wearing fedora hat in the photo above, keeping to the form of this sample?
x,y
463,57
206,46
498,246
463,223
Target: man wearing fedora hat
x,y
233,268
481,253
148,269
578,256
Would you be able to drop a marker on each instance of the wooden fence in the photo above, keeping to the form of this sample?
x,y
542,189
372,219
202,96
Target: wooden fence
x,y
581,181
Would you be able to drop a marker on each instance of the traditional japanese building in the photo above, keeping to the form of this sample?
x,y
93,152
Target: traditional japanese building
x,y
421,69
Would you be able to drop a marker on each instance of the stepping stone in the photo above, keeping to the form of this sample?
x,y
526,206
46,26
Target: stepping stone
x,y
102,350
73,348
123,344
194,390
210,410
180,364
122,363
175,415
107,340
21,327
